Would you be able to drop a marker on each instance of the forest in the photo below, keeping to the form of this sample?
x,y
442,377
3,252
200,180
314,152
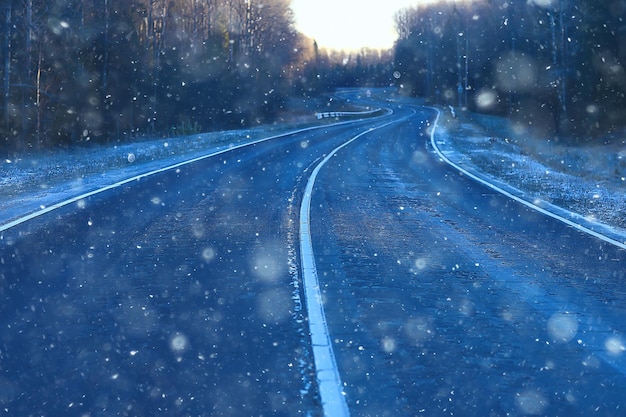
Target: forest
x,y
87,71
554,66
74,72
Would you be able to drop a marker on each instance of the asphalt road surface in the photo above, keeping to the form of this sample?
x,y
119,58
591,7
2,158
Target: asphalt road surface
x,y
182,293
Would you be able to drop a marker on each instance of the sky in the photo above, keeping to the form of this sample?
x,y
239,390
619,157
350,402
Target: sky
x,y
349,24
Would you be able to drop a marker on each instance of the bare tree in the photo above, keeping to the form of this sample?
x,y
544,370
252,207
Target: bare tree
x,y
156,27
405,20
6,82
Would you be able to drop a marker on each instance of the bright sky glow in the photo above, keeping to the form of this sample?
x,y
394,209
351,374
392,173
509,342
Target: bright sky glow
x,y
349,24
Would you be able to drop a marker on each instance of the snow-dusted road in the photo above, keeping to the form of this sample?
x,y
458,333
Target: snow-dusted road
x,y
182,292
449,298
176,292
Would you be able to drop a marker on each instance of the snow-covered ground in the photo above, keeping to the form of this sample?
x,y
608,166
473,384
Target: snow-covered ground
x,y
590,181
586,180
30,183
33,182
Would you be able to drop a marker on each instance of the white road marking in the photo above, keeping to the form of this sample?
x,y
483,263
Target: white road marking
x,y
599,338
328,378
63,203
516,198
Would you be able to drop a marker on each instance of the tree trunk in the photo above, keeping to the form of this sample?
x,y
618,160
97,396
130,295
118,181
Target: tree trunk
x,y
564,67
105,59
7,65
459,84
38,102
26,96
558,63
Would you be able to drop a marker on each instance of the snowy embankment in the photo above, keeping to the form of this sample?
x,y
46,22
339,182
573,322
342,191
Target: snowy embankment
x,y
31,183
586,184
588,181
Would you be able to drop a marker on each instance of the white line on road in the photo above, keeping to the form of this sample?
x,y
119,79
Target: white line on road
x,y
63,203
516,198
600,337
328,377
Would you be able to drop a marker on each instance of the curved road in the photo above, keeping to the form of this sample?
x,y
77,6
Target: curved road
x,y
183,293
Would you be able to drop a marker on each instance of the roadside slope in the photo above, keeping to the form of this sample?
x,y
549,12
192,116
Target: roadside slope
x,y
590,199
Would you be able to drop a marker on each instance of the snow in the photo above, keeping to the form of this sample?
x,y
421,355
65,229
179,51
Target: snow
x,y
584,183
31,183
589,182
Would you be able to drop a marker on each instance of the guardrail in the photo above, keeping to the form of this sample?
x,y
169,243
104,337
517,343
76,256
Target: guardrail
x,y
335,114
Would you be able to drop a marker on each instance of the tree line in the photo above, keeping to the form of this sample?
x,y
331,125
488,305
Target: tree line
x,y
74,71
83,71
322,69
555,66
80,71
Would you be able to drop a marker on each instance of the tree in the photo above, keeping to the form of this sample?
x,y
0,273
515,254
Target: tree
x,y
555,63
77,71
6,75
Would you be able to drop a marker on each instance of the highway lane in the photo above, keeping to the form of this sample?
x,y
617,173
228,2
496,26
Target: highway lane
x,y
449,299
177,294
181,293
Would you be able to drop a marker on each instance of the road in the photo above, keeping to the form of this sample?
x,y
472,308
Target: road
x,y
183,293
